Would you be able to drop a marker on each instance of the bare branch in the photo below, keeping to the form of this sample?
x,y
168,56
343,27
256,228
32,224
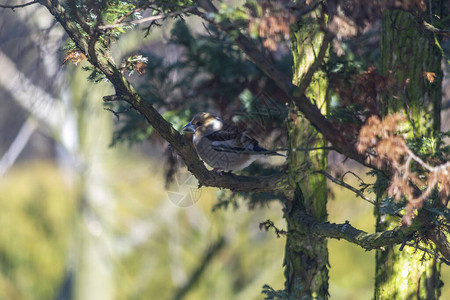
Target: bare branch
x,y
148,19
433,29
347,186
19,5
368,241
306,80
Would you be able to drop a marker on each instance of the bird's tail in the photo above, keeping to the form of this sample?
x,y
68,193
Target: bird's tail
x,y
264,151
278,154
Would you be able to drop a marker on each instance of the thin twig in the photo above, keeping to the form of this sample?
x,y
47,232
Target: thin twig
x,y
148,19
342,183
266,225
122,18
433,29
354,174
18,5
116,114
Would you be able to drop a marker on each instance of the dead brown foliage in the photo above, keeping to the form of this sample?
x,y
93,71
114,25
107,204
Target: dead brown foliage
x,y
74,56
388,149
273,24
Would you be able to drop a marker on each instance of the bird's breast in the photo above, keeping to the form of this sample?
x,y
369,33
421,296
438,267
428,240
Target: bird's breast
x,y
223,160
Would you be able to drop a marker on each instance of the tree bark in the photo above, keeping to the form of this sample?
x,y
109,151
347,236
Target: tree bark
x,y
306,254
407,53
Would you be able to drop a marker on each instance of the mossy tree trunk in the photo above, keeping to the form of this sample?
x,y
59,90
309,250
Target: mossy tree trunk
x,y
407,53
306,256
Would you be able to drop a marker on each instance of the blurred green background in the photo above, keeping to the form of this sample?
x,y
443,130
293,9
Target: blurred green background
x,y
80,219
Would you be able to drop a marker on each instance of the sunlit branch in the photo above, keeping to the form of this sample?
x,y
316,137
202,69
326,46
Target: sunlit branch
x,y
368,241
148,19
433,29
306,80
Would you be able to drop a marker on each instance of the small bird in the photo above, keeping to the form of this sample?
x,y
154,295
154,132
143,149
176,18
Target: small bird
x,y
224,149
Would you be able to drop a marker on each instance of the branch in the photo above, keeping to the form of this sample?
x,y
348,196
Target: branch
x,y
367,241
400,235
433,29
306,80
347,186
148,19
19,5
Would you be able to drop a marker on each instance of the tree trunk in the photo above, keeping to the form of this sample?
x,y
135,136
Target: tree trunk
x,y
94,270
306,255
407,53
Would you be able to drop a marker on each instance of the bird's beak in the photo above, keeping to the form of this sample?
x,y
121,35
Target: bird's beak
x,y
189,127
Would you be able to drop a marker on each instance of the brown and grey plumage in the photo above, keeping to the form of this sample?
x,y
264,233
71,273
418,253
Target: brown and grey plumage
x,y
223,148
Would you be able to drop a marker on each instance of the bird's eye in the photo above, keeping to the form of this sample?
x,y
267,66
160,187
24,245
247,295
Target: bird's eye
x,y
199,123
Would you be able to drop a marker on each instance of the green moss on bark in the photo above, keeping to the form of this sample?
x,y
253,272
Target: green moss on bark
x,y
407,53
306,256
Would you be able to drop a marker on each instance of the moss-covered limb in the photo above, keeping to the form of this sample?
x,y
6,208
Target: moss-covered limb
x,y
368,241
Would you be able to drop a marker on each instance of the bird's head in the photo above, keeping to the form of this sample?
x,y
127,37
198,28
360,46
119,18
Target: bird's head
x,y
204,123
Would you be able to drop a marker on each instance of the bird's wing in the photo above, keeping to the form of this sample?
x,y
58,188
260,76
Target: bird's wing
x,y
235,141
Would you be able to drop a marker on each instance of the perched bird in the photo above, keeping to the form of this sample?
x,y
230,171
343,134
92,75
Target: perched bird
x,y
223,148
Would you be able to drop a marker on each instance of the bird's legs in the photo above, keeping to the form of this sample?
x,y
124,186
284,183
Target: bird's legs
x,y
218,171
221,171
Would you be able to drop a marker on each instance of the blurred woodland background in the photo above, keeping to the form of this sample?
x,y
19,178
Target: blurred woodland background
x,y
86,210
